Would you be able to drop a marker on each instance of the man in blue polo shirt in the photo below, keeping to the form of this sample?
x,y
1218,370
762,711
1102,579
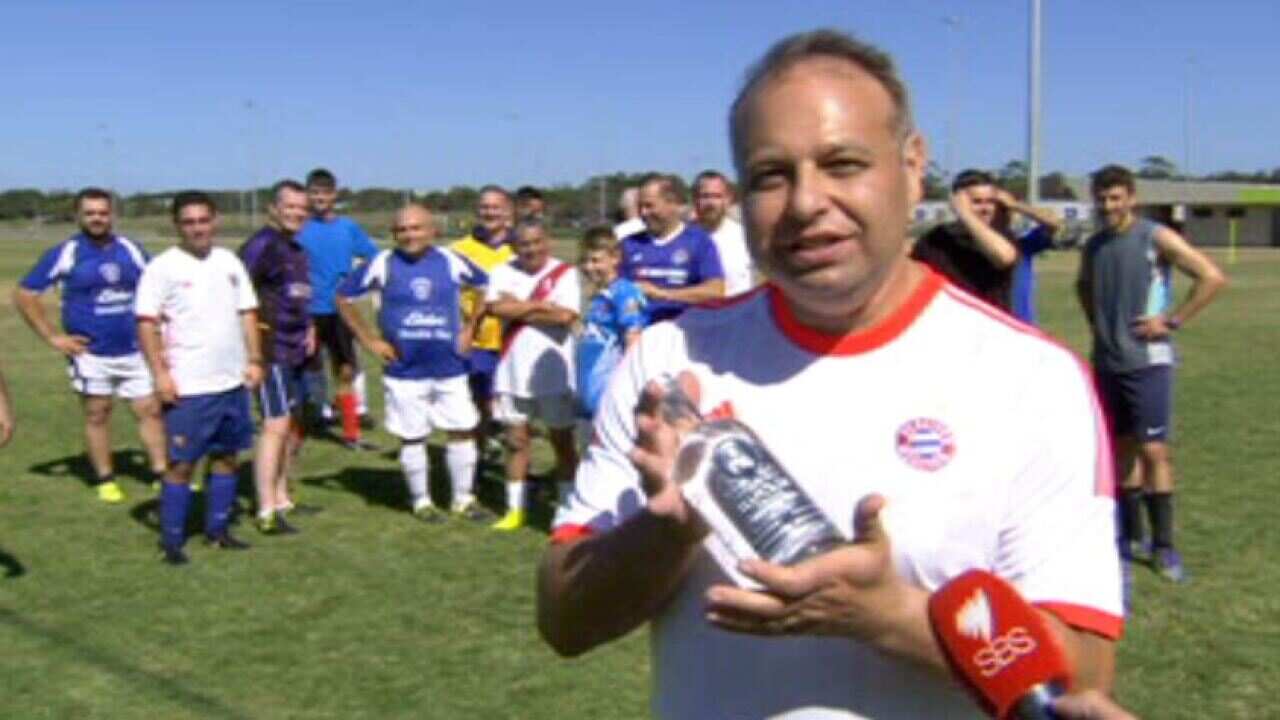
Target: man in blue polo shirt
x,y
98,273
334,245
421,337
278,266
675,265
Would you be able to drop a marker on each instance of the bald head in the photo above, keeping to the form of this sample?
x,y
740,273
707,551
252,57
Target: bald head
x,y
414,229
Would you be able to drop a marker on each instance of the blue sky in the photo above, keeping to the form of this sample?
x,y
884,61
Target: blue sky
x,y
157,95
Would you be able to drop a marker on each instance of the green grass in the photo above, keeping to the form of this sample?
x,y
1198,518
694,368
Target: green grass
x,y
370,615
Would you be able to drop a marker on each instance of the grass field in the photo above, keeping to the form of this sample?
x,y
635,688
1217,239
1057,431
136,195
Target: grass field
x,y
368,614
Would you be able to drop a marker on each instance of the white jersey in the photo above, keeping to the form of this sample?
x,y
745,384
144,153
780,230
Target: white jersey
x,y
735,260
198,304
984,437
537,360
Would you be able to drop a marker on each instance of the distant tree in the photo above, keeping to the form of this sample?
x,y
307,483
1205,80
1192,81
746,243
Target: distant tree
x,y
1013,177
935,182
1054,187
1157,167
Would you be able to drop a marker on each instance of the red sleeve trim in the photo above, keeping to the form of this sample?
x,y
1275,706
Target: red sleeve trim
x,y
1086,618
569,533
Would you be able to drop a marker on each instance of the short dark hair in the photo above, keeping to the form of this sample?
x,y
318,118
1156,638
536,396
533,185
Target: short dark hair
x,y
671,187
1109,176
285,184
529,225
191,197
972,178
93,193
494,189
321,177
599,237
713,175
829,43
529,192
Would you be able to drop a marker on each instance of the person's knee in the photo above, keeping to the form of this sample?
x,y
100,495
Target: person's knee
x,y
346,373
179,473
97,414
516,438
147,408
1154,454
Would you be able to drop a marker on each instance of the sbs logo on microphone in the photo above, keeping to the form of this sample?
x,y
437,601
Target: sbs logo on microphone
x,y
1003,650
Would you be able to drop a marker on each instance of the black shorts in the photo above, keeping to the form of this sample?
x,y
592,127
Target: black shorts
x,y
1139,403
334,337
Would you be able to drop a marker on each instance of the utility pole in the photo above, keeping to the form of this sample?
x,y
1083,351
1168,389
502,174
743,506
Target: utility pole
x,y
1033,107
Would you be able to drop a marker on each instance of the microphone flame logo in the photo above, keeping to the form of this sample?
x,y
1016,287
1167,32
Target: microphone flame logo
x,y
974,618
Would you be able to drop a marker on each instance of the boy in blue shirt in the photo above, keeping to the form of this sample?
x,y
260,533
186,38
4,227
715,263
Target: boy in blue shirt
x,y
614,318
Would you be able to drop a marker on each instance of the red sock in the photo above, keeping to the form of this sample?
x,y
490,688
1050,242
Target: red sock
x,y
350,418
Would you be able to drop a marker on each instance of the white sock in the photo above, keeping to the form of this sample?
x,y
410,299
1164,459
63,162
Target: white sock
x,y
362,408
461,457
515,496
413,460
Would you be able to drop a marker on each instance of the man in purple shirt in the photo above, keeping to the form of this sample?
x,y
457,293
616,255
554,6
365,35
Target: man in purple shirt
x,y
278,266
674,264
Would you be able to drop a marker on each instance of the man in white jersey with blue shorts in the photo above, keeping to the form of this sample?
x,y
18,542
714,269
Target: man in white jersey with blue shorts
x,y
97,272
422,339
837,366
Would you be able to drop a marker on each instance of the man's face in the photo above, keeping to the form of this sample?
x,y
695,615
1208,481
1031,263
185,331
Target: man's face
x,y
828,184
196,225
493,212
531,208
1114,206
532,248
413,230
321,198
659,212
600,266
289,211
711,201
94,216
982,198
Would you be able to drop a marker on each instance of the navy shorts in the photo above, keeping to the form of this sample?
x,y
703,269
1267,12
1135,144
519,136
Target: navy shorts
x,y
1139,403
481,364
213,424
281,391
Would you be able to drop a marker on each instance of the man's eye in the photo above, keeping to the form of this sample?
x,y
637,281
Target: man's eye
x,y
767,178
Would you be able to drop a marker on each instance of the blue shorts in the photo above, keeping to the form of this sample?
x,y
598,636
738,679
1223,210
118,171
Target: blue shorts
x,y
481,364
281,391
1139,403
213,424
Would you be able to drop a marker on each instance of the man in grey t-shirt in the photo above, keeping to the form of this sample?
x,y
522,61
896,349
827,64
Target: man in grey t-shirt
x,y
1125,287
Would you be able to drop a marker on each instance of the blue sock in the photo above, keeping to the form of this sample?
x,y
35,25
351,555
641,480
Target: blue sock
x,y
175,500
221,496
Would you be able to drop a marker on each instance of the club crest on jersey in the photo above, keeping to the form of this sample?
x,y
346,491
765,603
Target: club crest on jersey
x,y
421,288
925,443
680,257
110,272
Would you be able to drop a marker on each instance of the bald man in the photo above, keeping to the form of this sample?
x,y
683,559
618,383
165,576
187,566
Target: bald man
x,y
423,341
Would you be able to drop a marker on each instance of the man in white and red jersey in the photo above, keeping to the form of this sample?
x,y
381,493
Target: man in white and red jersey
x,y
835,366
537,298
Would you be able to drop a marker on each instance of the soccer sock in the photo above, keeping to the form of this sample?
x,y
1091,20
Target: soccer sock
x,y
1160,511
350,418
218,501
357,384
413,460
175,501
104,479
461,456
1131,514
515,496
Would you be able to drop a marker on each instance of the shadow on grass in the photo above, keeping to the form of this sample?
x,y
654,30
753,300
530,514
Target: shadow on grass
x,y
130,463
13,567
74,646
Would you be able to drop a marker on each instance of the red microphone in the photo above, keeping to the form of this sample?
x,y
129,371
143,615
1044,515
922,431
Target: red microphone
x,y
1000,646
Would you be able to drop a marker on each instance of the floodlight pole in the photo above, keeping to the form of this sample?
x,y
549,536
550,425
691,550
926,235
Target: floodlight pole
x,y
1033,107
952,22
1186,128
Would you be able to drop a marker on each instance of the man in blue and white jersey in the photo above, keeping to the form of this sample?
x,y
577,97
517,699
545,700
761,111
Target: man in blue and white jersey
x,y
98,273
674,264
422,338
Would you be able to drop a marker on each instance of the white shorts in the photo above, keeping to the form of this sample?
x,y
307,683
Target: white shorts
x,y
124,376
556,411
416,407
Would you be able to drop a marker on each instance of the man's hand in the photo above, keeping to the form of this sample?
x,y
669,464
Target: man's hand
x,y
1006,198
253,375
7,424
166,388
1151,327
310,341
1090,705
70,345
852,591
384,351
961,205
657,444
651,291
